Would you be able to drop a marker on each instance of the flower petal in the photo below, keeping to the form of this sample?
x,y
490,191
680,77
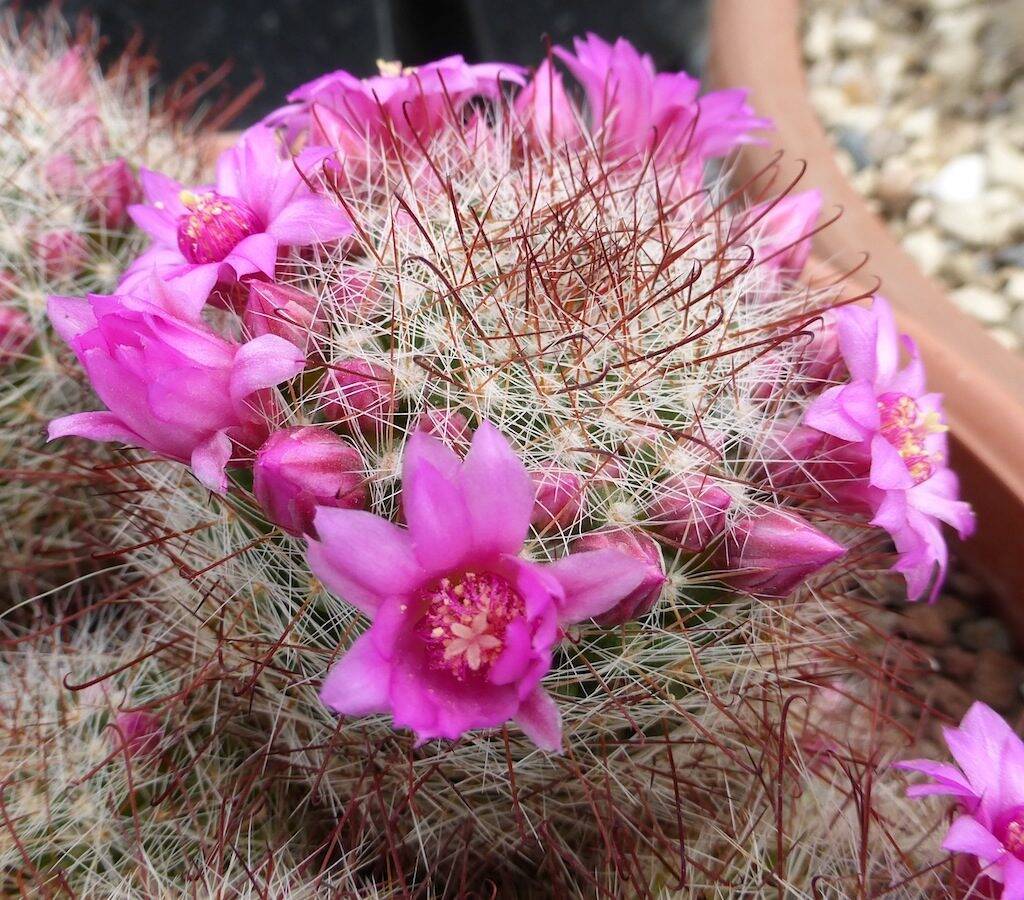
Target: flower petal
x,y
96,426
594,581
70,316
209,460
262,363
362,558
498,492
968,835
541,721
434,508
309,220
357,684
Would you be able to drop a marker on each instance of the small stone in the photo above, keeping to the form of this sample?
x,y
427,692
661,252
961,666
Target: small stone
x,y
957,662
925,623
990,221
986,633
945,695
952,609
853,33
1015,287
896,184
961,180
920,212
997,680
1005,164
819,36
983,304
927,248
855,143
966,586
1013,255
956,62
1017,320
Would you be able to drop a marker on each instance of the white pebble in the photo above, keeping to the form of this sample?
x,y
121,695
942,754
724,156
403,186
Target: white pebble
x,y
927,248
985,305
1015,287
961,180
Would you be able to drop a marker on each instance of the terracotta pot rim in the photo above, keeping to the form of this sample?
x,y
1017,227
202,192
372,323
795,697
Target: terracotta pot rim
x,y
757,46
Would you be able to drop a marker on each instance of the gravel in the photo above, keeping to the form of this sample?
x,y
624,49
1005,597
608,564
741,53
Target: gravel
x,y
924,100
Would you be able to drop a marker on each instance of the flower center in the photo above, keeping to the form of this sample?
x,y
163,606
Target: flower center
x,y
466,619
1013,832
907,427
213,226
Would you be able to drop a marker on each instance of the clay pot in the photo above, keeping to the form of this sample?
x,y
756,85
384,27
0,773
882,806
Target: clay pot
x,y
757,46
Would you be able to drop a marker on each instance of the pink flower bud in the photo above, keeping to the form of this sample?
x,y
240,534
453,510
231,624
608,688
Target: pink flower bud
x,y
822,360
298,469
62,252
66,79
359,392
285,311
137,732
213,226
788,451
785,226
16,331
357,295
62,175
639,545
690,510
111,189
451,427
559,498
545,110
779,550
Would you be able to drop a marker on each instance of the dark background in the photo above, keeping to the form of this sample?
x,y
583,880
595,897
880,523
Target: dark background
x,y
287,42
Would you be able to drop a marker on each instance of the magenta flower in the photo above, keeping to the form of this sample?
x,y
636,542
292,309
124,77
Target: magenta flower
x,y
547,115
987,784
897,431
345,112
259,203
463,624
298,469
635,109
170,386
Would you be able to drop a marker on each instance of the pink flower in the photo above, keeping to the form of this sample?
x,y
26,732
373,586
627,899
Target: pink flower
x,y
544,108
235,227
346,112
463,624
897,432
634,109
170,386
778,550
641,546
298,469
987,784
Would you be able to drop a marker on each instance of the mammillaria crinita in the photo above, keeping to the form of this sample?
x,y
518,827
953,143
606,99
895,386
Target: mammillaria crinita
x,y
562,286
